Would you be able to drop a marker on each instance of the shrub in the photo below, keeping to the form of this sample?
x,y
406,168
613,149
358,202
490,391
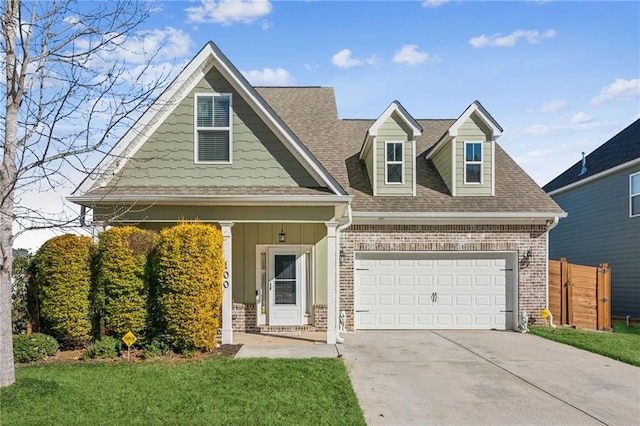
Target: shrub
x,y
106,347
188,266
33,347
19,290
120,290
157,347
62,268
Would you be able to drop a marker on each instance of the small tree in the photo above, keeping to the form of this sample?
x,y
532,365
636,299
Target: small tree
x,y
120,292
62,276
189,267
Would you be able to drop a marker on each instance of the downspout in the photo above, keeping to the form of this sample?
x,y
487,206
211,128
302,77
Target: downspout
x,y
550,226
339,229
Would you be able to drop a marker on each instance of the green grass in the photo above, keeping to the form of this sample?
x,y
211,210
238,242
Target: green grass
x,y
623,344
210,392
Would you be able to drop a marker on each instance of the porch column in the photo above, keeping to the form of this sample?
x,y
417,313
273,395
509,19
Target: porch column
x,y
332,306
227,294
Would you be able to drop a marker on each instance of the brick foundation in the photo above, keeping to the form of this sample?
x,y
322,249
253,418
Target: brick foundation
x,y
244,319
454,238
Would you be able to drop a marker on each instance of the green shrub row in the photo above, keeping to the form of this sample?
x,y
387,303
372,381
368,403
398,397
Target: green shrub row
x,y
33,347
132,280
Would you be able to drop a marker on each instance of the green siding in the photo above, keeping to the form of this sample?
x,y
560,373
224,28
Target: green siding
x,y
390,131
473,130
442,163
259,158
367,156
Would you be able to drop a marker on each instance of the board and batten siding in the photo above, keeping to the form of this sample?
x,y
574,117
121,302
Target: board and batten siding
x,y
598,229
259,157
474,131
392,131
442,162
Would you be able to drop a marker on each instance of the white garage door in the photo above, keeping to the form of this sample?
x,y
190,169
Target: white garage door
x,y
434,291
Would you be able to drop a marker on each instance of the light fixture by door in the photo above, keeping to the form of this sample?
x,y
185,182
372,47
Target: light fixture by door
x,y
282,236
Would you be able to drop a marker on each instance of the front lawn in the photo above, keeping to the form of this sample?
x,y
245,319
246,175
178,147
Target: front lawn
x,y
210,392
623,344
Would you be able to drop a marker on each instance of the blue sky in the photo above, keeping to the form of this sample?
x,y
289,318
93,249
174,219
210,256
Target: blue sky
x,y
560,77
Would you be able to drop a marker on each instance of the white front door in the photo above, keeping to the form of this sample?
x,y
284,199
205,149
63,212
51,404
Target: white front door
x,y
285,277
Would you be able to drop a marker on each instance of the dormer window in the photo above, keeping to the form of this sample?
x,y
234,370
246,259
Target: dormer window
x,y
394,169
473,162
213,128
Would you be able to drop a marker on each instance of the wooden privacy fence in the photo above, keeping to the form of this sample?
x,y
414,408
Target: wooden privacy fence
x,y
580,295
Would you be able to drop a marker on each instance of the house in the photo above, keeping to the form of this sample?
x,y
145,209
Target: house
x,y
388,223
601,194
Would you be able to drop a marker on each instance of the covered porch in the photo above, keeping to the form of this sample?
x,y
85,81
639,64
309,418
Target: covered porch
x,y
281,261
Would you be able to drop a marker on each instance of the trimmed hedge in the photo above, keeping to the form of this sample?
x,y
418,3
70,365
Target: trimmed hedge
x,y
120,293
33,347
62,276
189,265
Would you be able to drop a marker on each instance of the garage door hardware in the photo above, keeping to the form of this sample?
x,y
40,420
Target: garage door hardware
x,y
362,310
434,297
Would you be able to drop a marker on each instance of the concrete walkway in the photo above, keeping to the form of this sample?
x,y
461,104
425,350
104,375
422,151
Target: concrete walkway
x,y
294,345
486,377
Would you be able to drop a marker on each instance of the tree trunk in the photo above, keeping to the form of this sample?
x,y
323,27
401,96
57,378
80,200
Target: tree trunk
x,y
8,176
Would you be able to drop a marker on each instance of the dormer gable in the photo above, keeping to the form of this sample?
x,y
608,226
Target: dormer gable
x,y
389,152
202,104
465,155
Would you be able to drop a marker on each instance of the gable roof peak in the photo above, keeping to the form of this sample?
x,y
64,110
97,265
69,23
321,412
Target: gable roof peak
x,y
209,56
396,107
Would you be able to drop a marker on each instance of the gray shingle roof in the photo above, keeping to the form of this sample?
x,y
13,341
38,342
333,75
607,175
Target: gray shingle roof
x,y
310,112
620,149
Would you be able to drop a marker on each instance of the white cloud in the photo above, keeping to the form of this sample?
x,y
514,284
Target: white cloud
x,y
581,118
555,105
343,59
434,3
496,40
537,129
228,12
269,77
267,25
166,44
409,54
619,90
372,59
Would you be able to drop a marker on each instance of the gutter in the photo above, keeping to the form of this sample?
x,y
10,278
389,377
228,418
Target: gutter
x,y
550,225
207,200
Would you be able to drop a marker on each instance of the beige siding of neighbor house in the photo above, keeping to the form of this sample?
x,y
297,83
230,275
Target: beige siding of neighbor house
x,y
473,130
392,131
259,157
442,161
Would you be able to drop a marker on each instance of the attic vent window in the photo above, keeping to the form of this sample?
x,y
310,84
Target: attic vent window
x,y
213,128
473,162
634,190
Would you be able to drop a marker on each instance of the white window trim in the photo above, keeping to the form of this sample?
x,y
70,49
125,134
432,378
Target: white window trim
x,y
196,128
632,195
465,162
387,162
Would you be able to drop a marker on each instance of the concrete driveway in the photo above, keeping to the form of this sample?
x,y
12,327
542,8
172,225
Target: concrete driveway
x,y
486,377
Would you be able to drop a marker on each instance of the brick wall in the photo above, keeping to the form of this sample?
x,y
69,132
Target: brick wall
x,y
454,238
243,317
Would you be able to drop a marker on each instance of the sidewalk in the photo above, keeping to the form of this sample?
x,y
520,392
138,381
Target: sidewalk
x,y
295,345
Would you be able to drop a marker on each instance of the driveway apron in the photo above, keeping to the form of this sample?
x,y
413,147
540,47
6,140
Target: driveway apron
x,y
486,377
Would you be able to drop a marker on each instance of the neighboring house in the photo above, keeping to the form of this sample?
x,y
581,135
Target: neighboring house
x,y
601,194
397,222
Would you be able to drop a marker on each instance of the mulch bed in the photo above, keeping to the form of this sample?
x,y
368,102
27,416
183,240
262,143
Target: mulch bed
x,y
137,356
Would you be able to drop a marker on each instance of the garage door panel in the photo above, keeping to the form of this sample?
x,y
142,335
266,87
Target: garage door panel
x,y
398,291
